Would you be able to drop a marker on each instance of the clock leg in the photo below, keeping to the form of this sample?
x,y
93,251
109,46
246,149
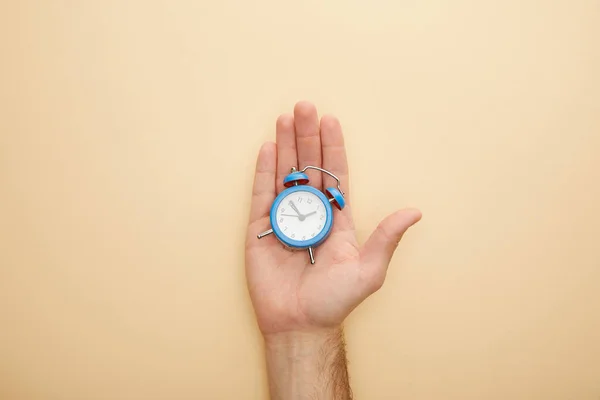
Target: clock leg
x,y
311,255
265,233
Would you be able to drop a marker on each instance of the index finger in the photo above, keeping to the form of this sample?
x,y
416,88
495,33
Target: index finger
x,y
263,191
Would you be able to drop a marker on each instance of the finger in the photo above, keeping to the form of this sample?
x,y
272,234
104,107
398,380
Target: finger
x,y
377,252
308,140
286,148
263,192
334,153
334,160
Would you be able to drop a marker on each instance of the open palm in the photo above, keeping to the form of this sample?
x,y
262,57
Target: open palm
x,y
288,293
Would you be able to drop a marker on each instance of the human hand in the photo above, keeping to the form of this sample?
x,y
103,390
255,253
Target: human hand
x,y
288,293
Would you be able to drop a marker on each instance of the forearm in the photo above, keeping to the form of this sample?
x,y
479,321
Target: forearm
x,y
308,366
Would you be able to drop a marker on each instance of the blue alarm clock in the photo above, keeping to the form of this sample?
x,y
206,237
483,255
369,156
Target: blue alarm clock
x,y
302,216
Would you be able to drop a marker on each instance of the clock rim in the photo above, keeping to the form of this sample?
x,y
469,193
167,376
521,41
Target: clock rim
x,y
301,244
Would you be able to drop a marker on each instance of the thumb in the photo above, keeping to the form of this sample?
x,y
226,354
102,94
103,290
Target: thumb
x,y
377,252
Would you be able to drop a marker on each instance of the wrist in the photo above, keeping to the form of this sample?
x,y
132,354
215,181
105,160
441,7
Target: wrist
x,y
303,364
302,339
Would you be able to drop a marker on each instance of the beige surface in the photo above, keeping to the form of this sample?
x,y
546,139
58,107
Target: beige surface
x,y
128,134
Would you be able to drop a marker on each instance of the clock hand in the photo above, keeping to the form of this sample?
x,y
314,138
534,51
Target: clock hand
x,y
309,214
290,215
295,208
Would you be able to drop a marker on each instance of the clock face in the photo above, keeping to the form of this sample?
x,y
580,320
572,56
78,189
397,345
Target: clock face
x,y
301,215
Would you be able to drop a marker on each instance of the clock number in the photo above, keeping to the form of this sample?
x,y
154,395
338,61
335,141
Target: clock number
x,y
282,209
280,219
299,199
285,228
309,201
321,217
319,227
293,235
303,237
312,234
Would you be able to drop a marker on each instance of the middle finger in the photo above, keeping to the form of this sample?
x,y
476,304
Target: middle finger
x,y
308,140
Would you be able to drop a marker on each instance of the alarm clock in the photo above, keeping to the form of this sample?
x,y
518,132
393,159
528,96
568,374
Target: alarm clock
x,y
302,216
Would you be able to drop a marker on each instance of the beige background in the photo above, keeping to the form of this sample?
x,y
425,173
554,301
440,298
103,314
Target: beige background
x,y
128,134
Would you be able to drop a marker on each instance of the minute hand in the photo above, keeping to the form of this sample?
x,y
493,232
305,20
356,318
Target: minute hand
x,y
295,208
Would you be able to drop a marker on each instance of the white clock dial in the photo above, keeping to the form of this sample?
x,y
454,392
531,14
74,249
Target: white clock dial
x,y
301,215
